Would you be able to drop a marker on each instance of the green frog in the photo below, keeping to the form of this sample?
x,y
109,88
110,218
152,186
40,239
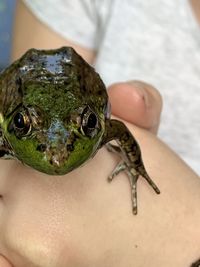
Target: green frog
x,y
55,115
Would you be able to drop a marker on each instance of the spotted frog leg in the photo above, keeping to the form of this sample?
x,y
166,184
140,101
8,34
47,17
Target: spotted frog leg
x,y
130,153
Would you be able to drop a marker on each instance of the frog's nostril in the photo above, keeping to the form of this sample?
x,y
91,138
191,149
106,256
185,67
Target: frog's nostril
x,y
41,147
70,147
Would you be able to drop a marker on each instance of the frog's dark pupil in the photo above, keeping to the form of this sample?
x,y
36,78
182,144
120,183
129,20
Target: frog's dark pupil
x,y
19,121
92,121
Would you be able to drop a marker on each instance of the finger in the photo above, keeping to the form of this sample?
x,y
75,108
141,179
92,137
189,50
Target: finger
x,y
136,102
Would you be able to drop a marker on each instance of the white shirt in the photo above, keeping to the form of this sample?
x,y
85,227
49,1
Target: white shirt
x,y
155,41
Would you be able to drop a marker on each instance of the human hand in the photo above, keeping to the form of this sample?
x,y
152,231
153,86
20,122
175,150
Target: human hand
x,y
136,102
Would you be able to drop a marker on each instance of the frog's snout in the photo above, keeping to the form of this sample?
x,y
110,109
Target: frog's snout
x,y
56,153
57,147
57,157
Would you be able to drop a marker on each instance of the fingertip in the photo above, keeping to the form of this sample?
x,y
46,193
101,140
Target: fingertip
x,y
137,102
151,95
127,103
126,100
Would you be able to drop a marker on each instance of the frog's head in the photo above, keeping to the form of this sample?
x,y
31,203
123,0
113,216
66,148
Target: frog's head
x,y
51,144
57,119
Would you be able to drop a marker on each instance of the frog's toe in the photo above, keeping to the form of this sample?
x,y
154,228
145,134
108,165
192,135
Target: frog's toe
x,y
133,177
141,171
152,184
119,168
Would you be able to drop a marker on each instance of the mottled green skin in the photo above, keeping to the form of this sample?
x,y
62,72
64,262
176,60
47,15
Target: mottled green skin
x,y
54,116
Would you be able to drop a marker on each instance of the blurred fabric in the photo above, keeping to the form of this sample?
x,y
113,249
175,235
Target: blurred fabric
x,y
6,21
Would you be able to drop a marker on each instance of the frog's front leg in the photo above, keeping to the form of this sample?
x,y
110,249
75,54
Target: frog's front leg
x,y
130,153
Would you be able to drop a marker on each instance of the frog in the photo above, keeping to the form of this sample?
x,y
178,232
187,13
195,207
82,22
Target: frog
x,y
55,115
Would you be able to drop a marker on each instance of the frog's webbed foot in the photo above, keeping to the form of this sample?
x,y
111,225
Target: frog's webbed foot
x,y
133,171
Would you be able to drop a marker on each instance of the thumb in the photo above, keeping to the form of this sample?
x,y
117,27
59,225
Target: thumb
x,y
137,102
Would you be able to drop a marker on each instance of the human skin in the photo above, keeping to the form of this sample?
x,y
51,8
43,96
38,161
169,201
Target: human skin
x,y
80,219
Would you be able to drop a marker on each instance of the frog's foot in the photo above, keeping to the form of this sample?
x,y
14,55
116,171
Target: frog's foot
x,y
133,173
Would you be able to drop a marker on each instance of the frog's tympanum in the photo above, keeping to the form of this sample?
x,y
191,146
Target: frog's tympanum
x,y
55,115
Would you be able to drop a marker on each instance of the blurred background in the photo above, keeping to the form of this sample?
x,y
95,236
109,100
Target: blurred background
x,y
6,20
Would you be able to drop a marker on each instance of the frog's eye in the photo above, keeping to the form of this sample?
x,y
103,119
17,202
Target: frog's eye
x,y
21,123
89,122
